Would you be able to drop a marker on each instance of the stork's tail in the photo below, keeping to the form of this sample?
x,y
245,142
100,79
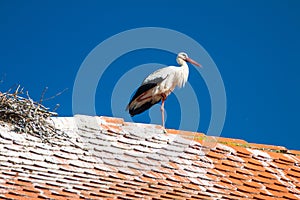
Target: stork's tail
x,y
136,107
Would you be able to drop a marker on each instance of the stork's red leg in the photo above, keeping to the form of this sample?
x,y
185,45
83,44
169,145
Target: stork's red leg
x,y
162,109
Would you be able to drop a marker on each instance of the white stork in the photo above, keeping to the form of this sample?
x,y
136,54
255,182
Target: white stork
x,y
158,85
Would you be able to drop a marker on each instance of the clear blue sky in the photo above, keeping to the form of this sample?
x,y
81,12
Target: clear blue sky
x,y
254,43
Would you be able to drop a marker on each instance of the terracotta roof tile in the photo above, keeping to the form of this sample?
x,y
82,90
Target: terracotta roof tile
x,y
265,146
162,170
177,178
294,152
112,120
215,173
234,181
205,195
170,196
179,194
225,168
268,175
238,176
253,167
278,165
246,172
291,179
224,185
295,169
240,194
235,159
195,187
242,152
290,196
151,190
116,159
247,189
262,180
271,193
232,142
215,156
228,165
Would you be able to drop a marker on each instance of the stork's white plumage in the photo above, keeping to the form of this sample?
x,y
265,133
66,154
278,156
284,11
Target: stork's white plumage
x,y
158,85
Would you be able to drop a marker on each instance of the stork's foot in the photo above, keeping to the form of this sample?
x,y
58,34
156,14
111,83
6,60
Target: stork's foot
x,y
164,130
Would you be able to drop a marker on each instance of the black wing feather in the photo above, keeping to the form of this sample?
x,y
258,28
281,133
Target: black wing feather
x,y
142,89
147,85
141,109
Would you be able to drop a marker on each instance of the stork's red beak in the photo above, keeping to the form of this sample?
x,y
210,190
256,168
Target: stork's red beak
x,y
192,62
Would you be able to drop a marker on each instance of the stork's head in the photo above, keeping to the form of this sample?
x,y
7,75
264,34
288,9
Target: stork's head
x,y
183,57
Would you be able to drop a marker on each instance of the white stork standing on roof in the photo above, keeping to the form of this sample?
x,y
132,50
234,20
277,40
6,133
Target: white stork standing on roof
x,y
158,85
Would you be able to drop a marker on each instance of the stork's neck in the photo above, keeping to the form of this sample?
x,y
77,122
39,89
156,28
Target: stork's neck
x,y
185,66
184,73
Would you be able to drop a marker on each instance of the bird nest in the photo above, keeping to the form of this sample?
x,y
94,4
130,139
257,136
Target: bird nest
x,y
28,116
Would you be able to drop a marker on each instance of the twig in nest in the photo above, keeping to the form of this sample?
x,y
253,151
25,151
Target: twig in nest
x,y
2,78
56,94
28,116
56,107
41,99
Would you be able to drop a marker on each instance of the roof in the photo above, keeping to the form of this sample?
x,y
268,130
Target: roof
x,y
105,157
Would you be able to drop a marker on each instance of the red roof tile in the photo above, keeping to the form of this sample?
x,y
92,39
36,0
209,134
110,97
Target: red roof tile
x,y
105,157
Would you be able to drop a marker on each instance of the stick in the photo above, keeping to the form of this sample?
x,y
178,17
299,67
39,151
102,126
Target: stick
x,y
56,94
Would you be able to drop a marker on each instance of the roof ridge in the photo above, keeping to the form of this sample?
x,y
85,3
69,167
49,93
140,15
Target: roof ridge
x,y
200,137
